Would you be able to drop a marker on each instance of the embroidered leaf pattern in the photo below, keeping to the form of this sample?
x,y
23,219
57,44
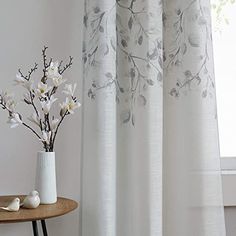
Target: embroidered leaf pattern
x,y
189,53
130,33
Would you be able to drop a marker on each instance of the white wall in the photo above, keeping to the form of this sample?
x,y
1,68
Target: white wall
x,y
25,27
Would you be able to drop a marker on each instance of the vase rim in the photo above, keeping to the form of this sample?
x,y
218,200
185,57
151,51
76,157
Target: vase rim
x,y
45,152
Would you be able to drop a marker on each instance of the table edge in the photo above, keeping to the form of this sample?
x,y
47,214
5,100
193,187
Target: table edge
x,y
77,204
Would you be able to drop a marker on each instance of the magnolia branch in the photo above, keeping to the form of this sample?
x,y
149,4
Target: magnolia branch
x,y
67,66
27,126
45,64
43,92
30,72
10,114
58,126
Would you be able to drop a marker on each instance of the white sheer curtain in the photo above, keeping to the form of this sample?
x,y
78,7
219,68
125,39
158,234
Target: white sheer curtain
x,y
150,141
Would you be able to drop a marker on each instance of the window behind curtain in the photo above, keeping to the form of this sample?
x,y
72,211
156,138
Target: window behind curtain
x,y
224,39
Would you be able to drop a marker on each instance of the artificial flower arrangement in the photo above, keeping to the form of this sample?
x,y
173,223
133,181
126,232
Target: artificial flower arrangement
x,y
41,96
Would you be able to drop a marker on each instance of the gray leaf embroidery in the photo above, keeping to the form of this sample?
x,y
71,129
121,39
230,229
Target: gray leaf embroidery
x,y
139,68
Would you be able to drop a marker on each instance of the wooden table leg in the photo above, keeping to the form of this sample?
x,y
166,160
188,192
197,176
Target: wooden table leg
x,y
44,227
35,228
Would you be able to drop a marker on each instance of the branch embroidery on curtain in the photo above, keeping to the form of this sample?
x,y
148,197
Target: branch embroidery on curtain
x,y
136,46
192,40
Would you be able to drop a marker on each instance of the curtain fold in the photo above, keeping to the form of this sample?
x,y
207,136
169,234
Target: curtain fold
x,y
150,139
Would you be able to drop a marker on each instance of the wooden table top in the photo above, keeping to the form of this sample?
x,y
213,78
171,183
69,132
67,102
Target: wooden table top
x,y
62,207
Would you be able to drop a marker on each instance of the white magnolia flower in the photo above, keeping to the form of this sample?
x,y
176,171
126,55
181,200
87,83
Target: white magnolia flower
x,y
69,105
42,89
19,80
25,83
29,85
53,74
34,118
6,96
46,136
57,81
64,108
54,124
8,101
46,105
52,70
11,105
14,120
69,89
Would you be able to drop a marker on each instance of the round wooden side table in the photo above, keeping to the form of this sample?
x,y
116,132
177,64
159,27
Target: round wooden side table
x,y
43,212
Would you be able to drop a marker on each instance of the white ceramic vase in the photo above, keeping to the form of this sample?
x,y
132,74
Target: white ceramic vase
x,y
45,182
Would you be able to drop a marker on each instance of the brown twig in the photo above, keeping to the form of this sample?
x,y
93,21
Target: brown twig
x,y
30,72
27,126
56,131
67,66
45,64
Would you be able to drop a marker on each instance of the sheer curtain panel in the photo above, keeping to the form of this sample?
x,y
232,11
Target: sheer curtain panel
x,y
150,141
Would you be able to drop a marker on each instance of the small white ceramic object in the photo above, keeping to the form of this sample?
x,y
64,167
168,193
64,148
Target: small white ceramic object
x,y
13,206
32,201
45,182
